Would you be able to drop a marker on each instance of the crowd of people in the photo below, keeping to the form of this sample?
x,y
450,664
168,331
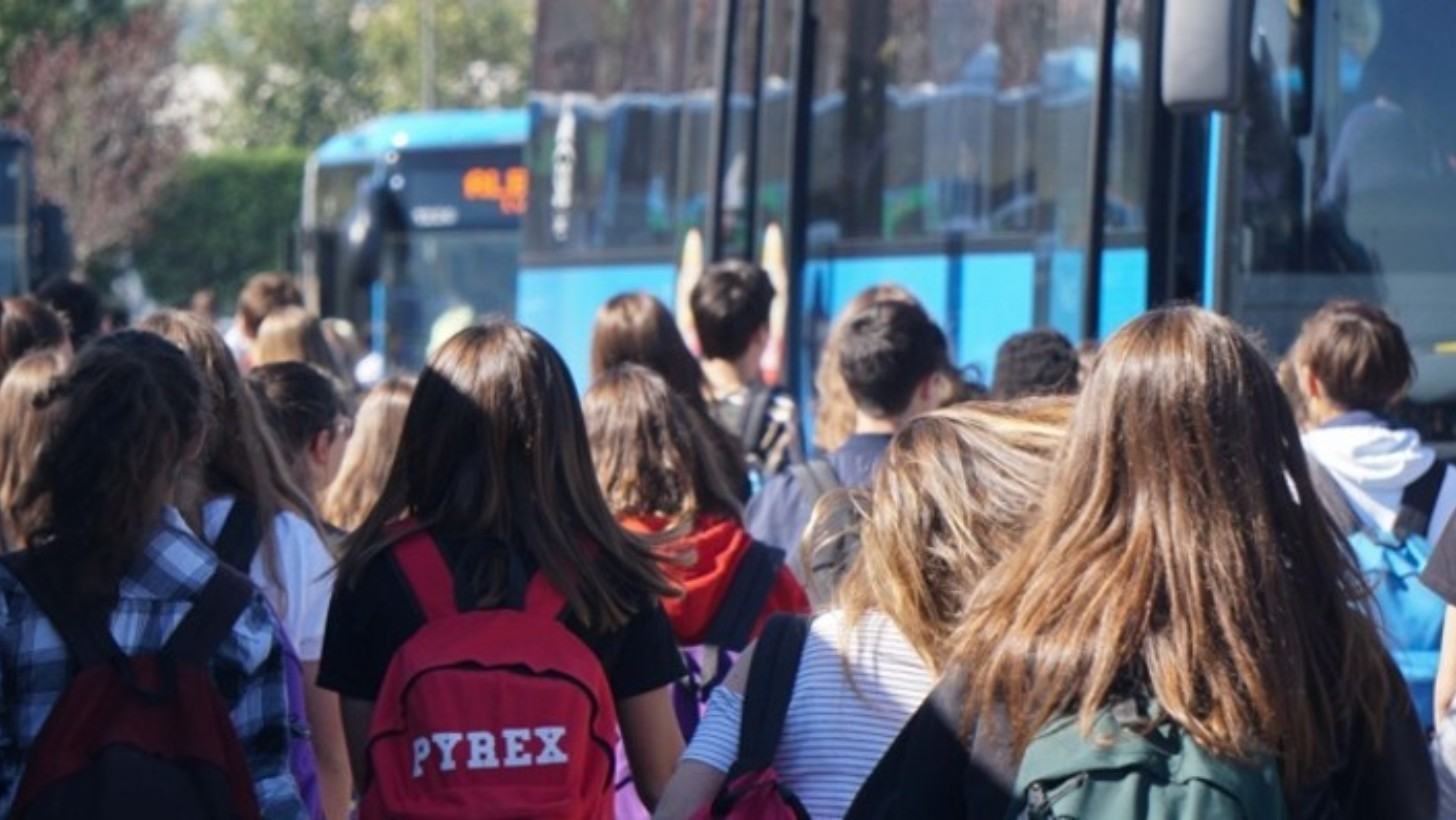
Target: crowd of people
x,y
1151,580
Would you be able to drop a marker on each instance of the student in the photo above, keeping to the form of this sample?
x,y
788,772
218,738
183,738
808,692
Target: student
x,y
892,358
869,662
77,303
103,537
261,295
28,325
293,334
26,417
242,479
834,409
368,455
650,463
1180,567
1035,363
730,305
635,328
493,486
309,419
1352,364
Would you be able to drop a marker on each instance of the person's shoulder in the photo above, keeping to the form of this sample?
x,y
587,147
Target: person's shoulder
x,y
253,639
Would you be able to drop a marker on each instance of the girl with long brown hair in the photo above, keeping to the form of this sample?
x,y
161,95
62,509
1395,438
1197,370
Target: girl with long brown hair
x,y
494,466
26,418
635,328
1181,557
243,483
652,460
368,455
951,499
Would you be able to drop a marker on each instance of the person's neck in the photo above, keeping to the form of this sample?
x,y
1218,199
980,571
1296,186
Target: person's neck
x,y
867,425
726,377
189,493
1319,412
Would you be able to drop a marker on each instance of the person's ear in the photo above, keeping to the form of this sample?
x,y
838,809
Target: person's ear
x,y
319,446
1309,383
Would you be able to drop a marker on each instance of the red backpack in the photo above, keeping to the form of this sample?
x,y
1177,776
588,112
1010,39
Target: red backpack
x,y
489,713
140,736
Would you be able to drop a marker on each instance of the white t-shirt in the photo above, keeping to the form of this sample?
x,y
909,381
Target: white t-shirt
x,y
305,570
836,730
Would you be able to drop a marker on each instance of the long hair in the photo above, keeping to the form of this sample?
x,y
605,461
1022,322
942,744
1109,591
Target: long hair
x,y
953,496
128,411
293,334
635,328
27,324
494,450
1181,554
240,455
368,455
833,405
27,415
651,454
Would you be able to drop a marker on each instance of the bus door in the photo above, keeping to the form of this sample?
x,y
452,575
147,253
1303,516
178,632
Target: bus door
x,y
1336,177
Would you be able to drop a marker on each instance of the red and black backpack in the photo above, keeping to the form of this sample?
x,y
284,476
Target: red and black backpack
x,y
489,713
141,736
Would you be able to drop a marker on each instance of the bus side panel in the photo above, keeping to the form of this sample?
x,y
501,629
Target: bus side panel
x,y
1124,288
997,300
561,303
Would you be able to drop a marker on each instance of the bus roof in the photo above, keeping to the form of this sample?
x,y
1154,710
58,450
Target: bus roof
x,y
424,129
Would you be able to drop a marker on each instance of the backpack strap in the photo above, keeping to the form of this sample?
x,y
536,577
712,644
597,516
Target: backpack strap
x,y
770,688
87,635
1334,499
753,581
215,610
817,477
241,536
427,575
1418,502
755,417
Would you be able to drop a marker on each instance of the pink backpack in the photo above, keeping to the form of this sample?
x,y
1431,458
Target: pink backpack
x,y
489,713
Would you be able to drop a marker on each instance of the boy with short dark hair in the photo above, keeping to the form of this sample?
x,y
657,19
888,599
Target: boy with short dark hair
x,y
894,360
731,305
1038,362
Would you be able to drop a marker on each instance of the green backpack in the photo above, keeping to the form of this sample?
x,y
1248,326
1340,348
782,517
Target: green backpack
x,y
1123,771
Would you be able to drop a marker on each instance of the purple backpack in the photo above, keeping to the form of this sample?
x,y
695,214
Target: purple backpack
x,y
236,545
708,663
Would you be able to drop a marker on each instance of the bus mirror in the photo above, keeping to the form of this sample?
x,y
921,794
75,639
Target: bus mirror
x,y
361,249
1205,53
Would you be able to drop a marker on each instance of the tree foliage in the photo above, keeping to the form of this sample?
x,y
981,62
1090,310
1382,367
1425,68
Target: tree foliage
x,y
21,20
94,105
225,216
302,71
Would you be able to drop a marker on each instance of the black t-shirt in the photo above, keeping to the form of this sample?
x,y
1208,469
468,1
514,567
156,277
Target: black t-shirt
x,y
370,620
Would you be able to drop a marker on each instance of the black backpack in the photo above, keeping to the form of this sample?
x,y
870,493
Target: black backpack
x,y
139,736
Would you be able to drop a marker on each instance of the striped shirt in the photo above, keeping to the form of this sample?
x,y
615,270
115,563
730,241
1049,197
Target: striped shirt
x,y
838,726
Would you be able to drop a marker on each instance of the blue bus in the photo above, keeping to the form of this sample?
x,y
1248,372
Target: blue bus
x,y
34,243
410,225
1063,163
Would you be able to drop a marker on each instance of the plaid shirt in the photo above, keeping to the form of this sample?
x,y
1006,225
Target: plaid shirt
x,y
248,667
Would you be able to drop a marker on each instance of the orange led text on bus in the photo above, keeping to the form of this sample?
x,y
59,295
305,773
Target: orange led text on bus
x,y
508,189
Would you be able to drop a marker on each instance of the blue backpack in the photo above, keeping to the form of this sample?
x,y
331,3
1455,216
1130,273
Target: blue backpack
x,y
1410,614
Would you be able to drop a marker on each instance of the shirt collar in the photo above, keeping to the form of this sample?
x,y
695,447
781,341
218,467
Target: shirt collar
x,y
174,564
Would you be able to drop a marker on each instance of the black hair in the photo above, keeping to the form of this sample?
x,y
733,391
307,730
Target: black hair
x,y
78,302
132,406
299,400
730,304
889,349
1039,362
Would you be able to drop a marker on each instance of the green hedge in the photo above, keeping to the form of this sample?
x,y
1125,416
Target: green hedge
x,y
227,215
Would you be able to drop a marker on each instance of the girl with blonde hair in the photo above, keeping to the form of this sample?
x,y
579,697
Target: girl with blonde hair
x,y
293,334
26,418
368,455
950,499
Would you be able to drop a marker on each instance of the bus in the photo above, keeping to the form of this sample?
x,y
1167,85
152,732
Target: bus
x,y
1013,163
410,226
15,205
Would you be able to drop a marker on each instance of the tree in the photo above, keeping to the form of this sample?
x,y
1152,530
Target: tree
x,y
482,48
21,20
95,108
295,67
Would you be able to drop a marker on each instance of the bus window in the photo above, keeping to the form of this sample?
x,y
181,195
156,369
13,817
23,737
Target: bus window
x,y
1360,206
